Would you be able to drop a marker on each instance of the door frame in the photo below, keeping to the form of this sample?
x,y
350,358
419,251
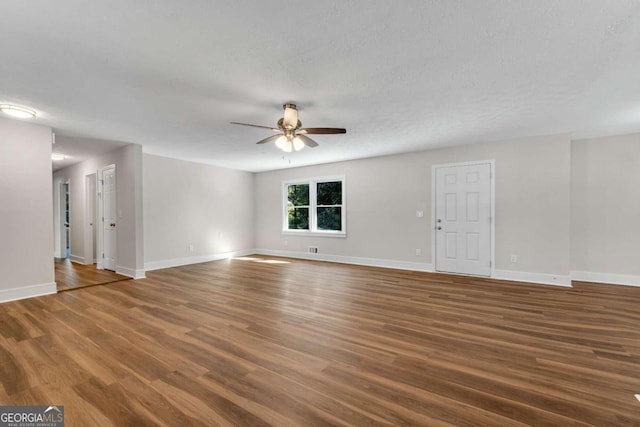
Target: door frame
x,y
61,239
100,216
492,223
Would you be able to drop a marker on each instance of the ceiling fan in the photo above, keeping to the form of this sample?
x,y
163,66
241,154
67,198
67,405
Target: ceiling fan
x,y
291,135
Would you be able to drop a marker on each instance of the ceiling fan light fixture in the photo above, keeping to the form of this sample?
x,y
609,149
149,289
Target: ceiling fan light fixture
x,y
298,144
290,119
281,142
17,111
288,146
291,135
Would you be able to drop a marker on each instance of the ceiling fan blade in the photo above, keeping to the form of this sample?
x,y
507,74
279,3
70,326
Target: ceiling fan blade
x,y
256,126
318,131
269,139
307,141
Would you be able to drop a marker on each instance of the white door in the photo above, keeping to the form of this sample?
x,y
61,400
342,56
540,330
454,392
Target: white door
x,y
109,218
463,219
90,219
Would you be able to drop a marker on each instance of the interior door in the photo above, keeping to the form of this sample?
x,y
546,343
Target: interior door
x,y
109,218
90,219
463,219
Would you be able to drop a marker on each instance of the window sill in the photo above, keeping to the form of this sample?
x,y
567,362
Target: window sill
x,y
339,234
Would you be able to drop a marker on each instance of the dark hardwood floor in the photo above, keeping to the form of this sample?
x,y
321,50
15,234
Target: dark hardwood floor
x,y
70,275
259,341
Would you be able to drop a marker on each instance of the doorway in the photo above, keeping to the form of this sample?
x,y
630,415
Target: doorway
x,y
63,246
463,218
82,272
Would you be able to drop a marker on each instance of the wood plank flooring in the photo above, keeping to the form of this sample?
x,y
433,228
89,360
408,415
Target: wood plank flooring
x,y
273,341
70,275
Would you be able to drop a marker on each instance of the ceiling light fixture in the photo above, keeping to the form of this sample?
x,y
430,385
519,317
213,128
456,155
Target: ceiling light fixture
x,y
287,144
16,111
297,143
57,157
292,136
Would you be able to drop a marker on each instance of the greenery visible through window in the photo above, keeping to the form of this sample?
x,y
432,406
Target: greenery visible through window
x,y
315,206
329,205
298,206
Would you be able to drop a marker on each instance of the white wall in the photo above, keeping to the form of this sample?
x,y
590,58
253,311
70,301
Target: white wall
x,y
383,194
129,230
26,234
189,203
605,209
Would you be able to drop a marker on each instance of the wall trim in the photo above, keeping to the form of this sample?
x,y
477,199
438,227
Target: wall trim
x,y
130,272
177,262
77,259
30,291
607,278
518,276
541,278
371,262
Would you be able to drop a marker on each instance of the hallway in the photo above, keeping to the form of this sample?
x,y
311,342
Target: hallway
x,y
70,276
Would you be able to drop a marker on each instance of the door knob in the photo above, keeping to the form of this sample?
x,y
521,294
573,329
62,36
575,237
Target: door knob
x,y
438,228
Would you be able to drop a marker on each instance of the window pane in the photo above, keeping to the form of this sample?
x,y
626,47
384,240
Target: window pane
x,y
330,193
299,194
298,218
330,219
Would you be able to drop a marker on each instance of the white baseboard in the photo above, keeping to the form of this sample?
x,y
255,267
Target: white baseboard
x,y
177,262
130,272
371,262
541,278
608,278
77,259
27,292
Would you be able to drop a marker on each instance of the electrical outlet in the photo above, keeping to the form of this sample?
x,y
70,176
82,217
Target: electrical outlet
x,y
419,214
514,258
191,248
313,249
286,243
418,252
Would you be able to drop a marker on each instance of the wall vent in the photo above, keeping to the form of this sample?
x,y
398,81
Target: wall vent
x,y
313,249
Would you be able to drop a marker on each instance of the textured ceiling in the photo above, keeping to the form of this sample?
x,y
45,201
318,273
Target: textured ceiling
x,y
400,76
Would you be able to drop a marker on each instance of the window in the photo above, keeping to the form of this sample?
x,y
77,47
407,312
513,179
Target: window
x,y
315,206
